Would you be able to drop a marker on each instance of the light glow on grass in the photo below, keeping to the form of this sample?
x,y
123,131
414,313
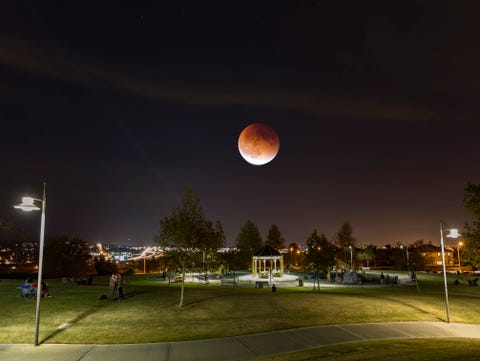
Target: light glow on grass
x,y
150,312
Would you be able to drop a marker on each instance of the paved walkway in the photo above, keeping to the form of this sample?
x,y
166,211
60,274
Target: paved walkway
x,y
239,347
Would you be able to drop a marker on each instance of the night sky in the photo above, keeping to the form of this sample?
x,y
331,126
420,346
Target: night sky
x,y
121,108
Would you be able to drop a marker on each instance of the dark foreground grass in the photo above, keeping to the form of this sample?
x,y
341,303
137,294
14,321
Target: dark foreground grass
x,y
395,350
150,313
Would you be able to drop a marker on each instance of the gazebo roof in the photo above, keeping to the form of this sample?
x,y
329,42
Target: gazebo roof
x,y
266,251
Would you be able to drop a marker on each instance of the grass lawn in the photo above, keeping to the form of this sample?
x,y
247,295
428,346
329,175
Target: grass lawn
x,y
398,350
151,313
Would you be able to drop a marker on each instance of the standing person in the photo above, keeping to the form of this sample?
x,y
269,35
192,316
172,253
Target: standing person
x,y
120,281
113,286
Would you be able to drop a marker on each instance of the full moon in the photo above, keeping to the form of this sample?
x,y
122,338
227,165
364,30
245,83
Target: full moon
x,y
258,144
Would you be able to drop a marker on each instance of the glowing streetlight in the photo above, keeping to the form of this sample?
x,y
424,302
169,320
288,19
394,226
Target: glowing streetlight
x,y
291,257
453,233
28,205
459,245
406,253
351,258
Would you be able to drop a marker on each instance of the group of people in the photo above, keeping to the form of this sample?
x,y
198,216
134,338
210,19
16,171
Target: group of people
x,y
116,286
387,280
45,292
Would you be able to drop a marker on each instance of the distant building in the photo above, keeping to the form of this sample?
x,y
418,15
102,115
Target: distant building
x,y
433,255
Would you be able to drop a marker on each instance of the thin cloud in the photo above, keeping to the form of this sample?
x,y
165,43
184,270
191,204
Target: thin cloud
x,y
27,57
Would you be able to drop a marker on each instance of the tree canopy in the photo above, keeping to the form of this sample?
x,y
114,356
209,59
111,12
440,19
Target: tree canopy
x,y
366,254
471,202
274,238
67,257
188,237
320,255
346,243
249,240
344,236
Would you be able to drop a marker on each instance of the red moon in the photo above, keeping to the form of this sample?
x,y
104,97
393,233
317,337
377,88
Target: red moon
x,y
258,144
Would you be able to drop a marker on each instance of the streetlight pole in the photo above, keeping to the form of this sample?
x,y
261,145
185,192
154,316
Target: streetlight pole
x,y
453,234
28,205
408,259
406,255
351,258
291,257
447,308
411,273
460,244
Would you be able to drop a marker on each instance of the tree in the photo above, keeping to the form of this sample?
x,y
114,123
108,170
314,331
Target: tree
x,y
67,257
274,238
211,259
344,236
294,250
418,258
471,199
104,267
398,257
366,254
345,241
471,202
230,261
320,255
187,236
249,240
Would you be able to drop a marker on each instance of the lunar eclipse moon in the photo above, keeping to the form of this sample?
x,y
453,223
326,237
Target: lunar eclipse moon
x,y
258,144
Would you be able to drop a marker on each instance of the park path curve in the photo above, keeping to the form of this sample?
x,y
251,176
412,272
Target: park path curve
x,y
240,347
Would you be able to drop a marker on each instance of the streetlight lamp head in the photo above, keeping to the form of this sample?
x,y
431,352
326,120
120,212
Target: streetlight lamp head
x,y
27,205
453,233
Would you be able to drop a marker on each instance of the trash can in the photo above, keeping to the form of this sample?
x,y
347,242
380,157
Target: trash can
x,y
300,283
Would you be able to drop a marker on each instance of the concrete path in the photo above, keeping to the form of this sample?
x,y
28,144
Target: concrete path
x,y
239,347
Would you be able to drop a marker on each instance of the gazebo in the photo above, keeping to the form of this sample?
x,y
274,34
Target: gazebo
x,y
267,263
